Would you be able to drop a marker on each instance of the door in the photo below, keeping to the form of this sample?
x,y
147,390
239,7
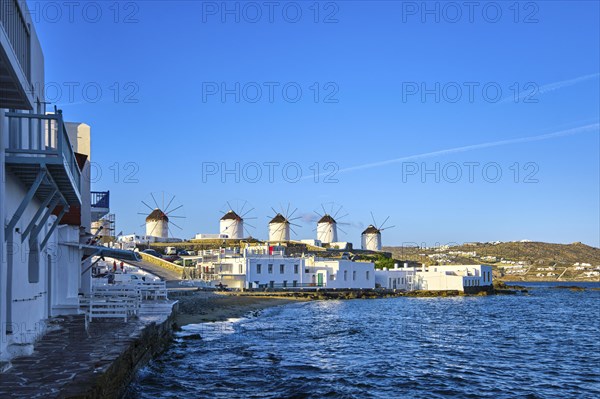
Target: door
x,y
319,280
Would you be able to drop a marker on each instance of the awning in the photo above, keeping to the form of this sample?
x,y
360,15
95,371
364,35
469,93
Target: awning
x,y
105,252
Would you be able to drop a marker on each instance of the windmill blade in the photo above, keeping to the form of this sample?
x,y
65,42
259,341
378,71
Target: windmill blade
x,y
295,224
293,231
384,222
250,218
154,199
149,207
247,212
337,212
274,211
230,207
292,219
175,225
177,217
174,209
385,228
342,230
341,217
142,213
142,225
248,224
324,211
288,217
243,206
287,212
374,222
169,204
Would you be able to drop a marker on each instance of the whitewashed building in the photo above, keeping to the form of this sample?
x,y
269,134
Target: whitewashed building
x,y
454,277
398,278
44,195
462,278
269,267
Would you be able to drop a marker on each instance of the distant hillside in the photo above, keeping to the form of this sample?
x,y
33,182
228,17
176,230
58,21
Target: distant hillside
x,y
515,260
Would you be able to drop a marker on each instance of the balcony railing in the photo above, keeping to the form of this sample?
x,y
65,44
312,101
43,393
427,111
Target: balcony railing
x,y
35,139
18,33
100,199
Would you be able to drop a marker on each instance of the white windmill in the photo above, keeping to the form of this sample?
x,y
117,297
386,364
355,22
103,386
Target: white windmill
x,y
160,218
232,221
327,226
371,237
280,224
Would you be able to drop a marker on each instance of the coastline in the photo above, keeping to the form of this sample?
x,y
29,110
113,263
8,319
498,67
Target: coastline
x,y
205,306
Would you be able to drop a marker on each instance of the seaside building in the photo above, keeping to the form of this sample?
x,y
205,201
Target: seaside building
x,y
268,267
232,225
464,278
45,200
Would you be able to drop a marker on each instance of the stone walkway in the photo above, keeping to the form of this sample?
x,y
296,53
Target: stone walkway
x,y
71,362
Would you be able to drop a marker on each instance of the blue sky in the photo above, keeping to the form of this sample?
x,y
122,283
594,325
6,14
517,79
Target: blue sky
x,y
379,81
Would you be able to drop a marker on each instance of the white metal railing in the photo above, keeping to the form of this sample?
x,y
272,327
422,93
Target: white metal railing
x,y
37,135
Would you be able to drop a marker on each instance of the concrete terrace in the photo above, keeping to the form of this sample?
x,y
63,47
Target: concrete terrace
x,y
71,362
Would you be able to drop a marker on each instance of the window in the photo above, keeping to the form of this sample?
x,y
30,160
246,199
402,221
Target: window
x,y
306,270
284,283
345,275
295,269
354,275
271,283
332,277
282,268
367,274
240,269
295,283
270,268
258,268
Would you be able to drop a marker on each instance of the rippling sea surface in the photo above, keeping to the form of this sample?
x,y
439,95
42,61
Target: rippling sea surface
x,y
542,345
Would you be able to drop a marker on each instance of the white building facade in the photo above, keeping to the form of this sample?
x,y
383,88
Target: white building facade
x,y
463,278
44,194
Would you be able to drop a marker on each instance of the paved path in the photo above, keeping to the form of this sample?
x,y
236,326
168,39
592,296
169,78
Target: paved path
x,y
70,362
165,274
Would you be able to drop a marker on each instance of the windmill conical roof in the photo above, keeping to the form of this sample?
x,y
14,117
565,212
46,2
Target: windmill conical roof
x,y
157,214
231,215
279,218
327,219
371,230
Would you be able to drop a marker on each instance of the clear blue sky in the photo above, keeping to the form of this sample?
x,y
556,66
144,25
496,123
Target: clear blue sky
x,y
371,62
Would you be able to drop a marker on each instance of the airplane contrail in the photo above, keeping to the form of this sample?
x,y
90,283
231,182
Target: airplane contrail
x,y
561,133
550,87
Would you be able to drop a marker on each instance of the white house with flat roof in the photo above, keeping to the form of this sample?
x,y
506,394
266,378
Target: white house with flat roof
x,y
454,277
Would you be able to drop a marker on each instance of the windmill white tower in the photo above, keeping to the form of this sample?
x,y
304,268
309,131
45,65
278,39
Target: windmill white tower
x,y
157,224
371,237
279,228
280,224
232,224
327,229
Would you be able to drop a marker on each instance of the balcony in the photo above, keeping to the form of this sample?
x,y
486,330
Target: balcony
x,y
15,56
39,144
100,201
